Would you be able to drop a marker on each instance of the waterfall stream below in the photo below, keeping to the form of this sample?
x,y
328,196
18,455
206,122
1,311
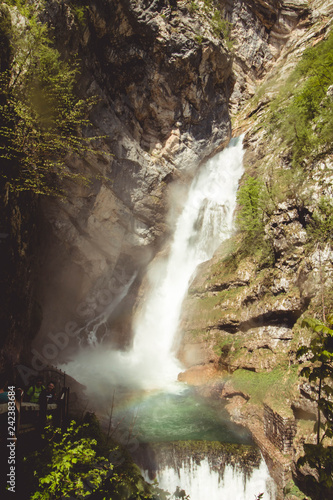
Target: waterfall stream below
x,y
184,441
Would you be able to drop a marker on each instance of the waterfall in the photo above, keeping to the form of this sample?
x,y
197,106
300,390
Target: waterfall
x,y
206,220
200,480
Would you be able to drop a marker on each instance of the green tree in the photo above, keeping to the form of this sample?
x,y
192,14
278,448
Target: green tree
x,y
42,118
255,202
72,467
71,464
319,372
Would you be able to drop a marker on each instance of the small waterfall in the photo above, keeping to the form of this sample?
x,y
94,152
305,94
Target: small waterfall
x,y
88,333
200,480
207,470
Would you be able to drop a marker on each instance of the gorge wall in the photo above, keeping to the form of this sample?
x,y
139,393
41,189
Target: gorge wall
x,y
241,319
163,79
261,301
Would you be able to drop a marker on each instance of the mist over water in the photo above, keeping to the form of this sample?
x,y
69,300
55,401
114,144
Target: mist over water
x,y
89,333
205,221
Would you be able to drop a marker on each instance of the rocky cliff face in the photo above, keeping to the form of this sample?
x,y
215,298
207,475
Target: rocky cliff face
x,y
241,313
261,30
265,302
163,79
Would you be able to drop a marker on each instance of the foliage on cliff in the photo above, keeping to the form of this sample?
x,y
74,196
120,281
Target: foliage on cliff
x,y
302,112
301,118
250,215
42,118
221,27
319,372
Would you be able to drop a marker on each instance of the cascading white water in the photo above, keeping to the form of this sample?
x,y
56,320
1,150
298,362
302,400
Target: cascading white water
x,y
206,220
200,481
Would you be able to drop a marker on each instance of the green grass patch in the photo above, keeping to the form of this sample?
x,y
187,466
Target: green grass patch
x,y
205,310
229,345
274,387
199,334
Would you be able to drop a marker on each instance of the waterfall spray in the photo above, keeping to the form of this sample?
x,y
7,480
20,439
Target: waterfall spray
x,y
205,221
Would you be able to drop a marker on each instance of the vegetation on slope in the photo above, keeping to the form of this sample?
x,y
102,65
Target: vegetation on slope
x,y
301,118
300,121
302,112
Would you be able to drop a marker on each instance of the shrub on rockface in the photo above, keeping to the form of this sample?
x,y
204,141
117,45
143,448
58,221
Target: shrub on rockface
x,y
250,214
318,370
254,206
302,111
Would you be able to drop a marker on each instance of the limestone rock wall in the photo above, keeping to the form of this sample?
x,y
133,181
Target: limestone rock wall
x,y
249,310
260,32
163,80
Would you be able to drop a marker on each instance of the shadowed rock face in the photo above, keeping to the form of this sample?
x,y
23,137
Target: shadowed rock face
x,y
163,80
